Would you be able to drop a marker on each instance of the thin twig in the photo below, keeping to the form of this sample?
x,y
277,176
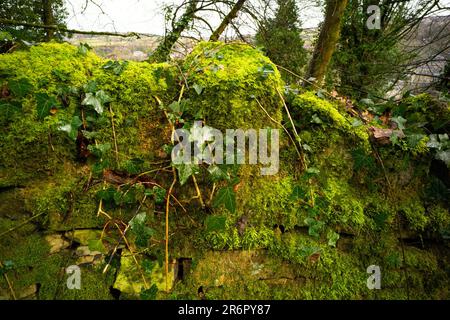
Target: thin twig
x,y
199,194
281,125
20,225
114,135
9,283
167,226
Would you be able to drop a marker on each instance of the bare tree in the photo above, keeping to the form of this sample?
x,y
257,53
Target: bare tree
x,y
227,20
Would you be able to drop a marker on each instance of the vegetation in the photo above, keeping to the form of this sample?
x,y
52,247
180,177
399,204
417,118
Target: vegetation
x,y
87,176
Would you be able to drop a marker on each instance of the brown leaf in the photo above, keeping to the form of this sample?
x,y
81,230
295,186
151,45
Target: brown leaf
x,y
115,178
314,257
383,136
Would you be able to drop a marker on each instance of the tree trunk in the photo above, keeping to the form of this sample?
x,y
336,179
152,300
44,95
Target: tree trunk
x,y
162,52
47,18
328,38
226,21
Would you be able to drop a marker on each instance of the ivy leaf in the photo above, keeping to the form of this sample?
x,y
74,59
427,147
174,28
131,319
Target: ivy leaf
x,y
198,88
97,100
7,266
8,109
315,119
115,66
60,75
140,230
159,194
217,174
215,223
357,123
44,104
72,127
134,166
99,150
90,134
91,86
414,139
227,197
297,193
107,195
83,48
266,70
444,156
96,245
367,102
148,265
332,238
175,107
149,294
313,171
185,171
315,227
400,121
20,88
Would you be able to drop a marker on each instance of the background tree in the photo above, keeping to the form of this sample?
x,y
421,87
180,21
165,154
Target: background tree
x,y
327,41
281,40
370,62
32,11
227,20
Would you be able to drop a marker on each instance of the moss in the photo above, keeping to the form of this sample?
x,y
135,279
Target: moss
x,y
31,147
233,76
311,109
32,264
221,275
414,212
95,285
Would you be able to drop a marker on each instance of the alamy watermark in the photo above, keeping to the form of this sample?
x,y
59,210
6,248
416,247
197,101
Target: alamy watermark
x,y
74,280
374,280
374,20
204,144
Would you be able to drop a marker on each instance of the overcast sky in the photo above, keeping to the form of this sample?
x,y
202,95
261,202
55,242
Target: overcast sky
x,y
144,16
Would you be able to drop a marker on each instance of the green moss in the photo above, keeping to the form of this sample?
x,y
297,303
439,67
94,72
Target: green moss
x,y
95,285
414,212
31,147
233,76
311,109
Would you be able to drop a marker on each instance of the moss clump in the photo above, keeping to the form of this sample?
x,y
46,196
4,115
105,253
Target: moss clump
x,y
30,146
233,76
316,113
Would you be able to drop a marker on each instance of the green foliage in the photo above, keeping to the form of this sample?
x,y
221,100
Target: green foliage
x,y
215,223
281,41
226,196
31,12
140,230
44,103
97,100
115,66
149,294
20,87
158,193
72,127
367,62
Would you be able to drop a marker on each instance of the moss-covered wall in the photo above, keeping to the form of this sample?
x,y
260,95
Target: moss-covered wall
x,y
85,147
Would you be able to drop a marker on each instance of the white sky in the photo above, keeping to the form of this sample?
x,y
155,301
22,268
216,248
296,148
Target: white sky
x,y
144,16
